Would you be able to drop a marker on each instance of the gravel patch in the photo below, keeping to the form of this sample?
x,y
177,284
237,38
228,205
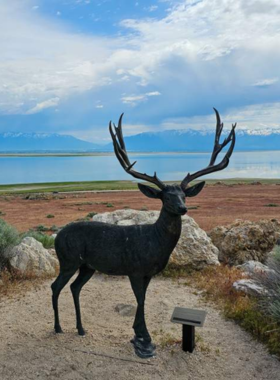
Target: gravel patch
x,y
29,349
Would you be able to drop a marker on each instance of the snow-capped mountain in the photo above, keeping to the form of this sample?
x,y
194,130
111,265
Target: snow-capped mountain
x,y
186,140
33,142
201,141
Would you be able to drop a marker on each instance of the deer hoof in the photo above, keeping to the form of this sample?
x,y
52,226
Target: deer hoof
x,y
58,330
143,349
81,332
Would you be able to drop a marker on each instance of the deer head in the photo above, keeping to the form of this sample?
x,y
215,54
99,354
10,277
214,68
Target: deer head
x,y
173,196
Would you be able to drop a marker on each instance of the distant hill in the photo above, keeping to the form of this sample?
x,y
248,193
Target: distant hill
x,y
199,141
38,142
165,141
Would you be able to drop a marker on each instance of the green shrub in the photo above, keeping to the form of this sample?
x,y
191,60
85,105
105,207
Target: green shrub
x,y
91,214
49,216
47,241
9,237
41,228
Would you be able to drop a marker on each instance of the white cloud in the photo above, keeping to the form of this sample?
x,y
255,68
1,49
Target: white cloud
x,y
43,105
253,117
40,60
152,8
223,46
266,82
134,99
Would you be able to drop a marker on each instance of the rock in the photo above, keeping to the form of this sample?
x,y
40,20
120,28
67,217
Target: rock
x,y
31,257
126,310
194,249
245,240
255,267
249,287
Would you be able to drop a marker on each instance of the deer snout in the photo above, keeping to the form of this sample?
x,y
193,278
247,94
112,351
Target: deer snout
x,y
183,209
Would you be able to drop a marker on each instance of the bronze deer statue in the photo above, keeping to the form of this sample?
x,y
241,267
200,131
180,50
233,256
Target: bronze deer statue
x,y
137,251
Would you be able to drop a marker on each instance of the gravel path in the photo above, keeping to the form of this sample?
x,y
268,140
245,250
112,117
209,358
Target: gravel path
x,y
30,350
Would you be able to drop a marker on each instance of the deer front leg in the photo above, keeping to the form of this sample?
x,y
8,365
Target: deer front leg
x,y
142,342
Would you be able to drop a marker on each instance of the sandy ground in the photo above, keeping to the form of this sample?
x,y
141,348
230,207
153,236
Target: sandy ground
x,y
30,350
215,205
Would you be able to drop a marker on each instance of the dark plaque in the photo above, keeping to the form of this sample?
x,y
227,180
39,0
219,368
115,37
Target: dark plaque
x,y
189,318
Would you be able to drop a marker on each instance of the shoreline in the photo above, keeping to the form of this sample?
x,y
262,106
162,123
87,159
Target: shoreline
x,y
105,186
108,153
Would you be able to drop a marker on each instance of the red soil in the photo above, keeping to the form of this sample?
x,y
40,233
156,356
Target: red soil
x,y
216,205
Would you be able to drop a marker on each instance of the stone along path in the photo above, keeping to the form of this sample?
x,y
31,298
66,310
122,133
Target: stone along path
x,y
30,350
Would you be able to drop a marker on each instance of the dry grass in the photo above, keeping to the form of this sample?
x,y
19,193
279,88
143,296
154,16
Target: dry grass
x,y
14,284
216,284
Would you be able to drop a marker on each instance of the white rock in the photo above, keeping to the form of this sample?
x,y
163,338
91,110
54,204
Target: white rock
x,y
253,267
249,287
194,249
31,257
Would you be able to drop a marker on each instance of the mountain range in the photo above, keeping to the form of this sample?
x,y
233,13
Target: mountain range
x,y
165,141
46,142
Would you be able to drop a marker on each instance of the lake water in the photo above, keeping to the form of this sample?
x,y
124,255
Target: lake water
x,y
169,166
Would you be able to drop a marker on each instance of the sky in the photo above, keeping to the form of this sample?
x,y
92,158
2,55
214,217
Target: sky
x,y
71,66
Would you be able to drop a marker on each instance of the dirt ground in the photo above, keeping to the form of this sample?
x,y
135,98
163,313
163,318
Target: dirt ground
x,y
29,349
215,205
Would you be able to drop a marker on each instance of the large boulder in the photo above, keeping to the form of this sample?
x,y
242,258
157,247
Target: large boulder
x,y
245,240
31,257
194,249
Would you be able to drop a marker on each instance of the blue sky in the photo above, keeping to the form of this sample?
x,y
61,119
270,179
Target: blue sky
x,y
69,66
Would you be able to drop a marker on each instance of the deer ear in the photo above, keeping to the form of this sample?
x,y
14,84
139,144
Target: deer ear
x,y
150,192
194,190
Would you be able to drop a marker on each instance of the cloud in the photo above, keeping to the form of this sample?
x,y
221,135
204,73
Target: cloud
x,y
41,60
200,53
43,105
152,8
266,82
134,99
252,117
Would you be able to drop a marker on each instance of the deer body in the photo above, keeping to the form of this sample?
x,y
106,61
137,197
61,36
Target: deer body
x,y
119,250
138,251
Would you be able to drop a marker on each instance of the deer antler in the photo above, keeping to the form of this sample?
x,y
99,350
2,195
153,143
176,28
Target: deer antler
x,y
120,151
217,149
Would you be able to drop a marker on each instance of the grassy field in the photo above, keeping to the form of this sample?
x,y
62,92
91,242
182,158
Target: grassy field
x,y
107,185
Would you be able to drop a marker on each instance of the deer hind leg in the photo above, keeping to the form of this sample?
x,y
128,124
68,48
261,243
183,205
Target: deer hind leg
x,y
76,287
57,286
142,342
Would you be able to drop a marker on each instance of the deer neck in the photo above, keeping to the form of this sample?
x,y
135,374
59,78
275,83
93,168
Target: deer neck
x,y
168,227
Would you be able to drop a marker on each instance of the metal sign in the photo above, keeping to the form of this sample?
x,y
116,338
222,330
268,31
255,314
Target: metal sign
x,y
191,317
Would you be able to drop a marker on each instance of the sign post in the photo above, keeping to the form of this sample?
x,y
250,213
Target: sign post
x,y
189,318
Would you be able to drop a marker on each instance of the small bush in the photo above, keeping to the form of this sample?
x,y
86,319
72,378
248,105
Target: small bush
x,y
271,205
54,228
47,241
110,205
49,216
41,228
9,237
91,214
